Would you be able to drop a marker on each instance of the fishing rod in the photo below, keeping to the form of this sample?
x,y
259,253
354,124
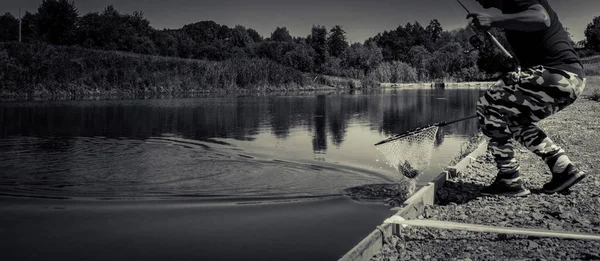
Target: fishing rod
x,y
476,43
494,40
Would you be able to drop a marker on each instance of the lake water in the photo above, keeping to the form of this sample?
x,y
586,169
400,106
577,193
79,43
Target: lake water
x,y
293,153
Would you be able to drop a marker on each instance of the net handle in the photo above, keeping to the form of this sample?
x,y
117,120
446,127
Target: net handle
x,y
440,124
458,120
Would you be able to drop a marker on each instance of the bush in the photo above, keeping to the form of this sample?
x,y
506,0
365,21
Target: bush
x,y
394,72
402,72
470,74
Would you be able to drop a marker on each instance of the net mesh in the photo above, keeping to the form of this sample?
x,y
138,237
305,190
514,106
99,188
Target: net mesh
x,y
410,154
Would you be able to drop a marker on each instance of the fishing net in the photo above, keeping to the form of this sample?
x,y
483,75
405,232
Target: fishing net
x,y
410,153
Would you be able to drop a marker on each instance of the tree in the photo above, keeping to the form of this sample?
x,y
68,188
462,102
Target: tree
x,y
211,40
491,60
274,50
443,61
436,36
9,28
110,11
174,43
445,37
93,32
185,44
388,43
364,57
337,41
396,44
206,32
111,30
416,34
462,36
281,35
318,41
592,35
240,37
57,20
300,58
418,56
255,35
434,30
166,43
29,27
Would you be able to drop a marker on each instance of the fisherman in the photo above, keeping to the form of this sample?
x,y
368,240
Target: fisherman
x,y
552,78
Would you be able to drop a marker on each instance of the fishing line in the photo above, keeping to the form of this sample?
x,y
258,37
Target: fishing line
x,y
461,4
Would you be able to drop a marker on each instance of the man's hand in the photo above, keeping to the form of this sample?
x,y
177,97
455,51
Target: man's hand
x,y
533,19
481,20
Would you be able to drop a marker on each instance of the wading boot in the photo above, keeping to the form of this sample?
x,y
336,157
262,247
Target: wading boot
x,y
510,185
564,180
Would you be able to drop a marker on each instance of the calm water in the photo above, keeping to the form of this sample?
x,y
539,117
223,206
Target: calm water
x,y
247,146
185,176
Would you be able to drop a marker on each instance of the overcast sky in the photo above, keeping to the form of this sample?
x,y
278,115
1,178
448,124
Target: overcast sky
x,y
360,19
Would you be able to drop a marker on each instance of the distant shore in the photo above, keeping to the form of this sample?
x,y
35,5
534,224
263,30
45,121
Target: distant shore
x,y
47,72
38,71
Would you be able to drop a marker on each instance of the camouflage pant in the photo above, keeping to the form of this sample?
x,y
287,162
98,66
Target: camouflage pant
x,y
513,106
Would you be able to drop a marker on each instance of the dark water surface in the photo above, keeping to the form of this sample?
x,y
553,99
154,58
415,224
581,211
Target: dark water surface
x,y
304,149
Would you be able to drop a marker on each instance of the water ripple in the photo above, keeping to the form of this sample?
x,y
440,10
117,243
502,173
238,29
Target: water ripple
x,y
104,167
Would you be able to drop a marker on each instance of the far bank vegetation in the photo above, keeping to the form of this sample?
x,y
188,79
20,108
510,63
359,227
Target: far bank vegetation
x,y
108,51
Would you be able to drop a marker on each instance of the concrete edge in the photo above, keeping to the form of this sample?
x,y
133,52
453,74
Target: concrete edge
x,y
370,245
455,170
411,209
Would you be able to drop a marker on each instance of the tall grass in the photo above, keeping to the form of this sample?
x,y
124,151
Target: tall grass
x,y
592,69
394,72
592,72
38,70
592,89
591,59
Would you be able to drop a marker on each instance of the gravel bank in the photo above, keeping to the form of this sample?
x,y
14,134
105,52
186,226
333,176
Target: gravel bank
x,y
577,130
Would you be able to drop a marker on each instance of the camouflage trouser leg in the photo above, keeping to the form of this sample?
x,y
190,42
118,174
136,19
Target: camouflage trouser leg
x,y
511,108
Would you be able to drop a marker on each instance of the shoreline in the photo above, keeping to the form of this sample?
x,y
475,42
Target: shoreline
x,y
14,97
156,95
432,85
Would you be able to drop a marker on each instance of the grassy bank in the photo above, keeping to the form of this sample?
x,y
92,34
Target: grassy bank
x,y
44,70
592,70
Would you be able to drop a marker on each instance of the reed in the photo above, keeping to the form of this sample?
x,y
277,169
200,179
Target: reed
x,y
394,72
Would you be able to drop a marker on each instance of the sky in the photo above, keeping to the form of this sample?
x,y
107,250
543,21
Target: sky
x,y
360,19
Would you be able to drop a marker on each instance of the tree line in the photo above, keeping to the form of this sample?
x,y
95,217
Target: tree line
x,y
406,54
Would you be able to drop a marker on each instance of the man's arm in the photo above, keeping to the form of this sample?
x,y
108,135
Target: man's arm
x,y
535,18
